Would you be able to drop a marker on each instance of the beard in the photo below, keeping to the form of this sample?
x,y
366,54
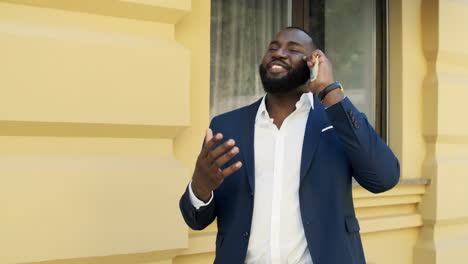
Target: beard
x,y
293,79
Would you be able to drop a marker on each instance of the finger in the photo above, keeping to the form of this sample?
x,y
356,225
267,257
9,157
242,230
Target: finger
x,y
309,62
308,57
218,151
226,157
315,59
321,56
231,169
210,144
312,58
208,135
317,52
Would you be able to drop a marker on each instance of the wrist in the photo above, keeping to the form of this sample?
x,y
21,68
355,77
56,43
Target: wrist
x,y
201,193
333,97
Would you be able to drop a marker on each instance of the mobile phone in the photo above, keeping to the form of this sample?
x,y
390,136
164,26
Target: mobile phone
x,y
314,70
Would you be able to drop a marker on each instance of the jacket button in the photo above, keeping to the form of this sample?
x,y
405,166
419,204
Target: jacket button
x,y
251,193
356,125
191,213
246,234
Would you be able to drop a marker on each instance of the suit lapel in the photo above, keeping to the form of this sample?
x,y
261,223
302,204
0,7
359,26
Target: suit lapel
x,y
316,121
247,142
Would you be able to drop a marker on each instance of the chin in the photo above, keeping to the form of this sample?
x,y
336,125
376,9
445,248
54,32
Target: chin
x,y
277,76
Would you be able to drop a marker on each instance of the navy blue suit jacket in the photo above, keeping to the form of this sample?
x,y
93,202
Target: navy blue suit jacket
x,y
329,160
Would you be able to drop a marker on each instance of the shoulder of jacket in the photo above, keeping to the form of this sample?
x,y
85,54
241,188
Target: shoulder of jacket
x,y
242,112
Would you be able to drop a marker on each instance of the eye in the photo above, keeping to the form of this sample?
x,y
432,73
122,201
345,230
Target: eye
x,y
295,50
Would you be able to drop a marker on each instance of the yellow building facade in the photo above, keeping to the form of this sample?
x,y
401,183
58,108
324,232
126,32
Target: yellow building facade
x,y
103,107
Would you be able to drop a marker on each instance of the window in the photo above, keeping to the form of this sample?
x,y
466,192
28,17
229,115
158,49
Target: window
x,y
351,32
240,33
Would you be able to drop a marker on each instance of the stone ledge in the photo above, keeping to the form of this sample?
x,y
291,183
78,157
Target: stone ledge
x,y
417,181
82,130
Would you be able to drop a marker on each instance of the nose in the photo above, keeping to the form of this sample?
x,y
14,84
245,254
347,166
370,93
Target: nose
x,y
279,54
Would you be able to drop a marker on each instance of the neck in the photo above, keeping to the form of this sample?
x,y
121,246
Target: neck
x,y
280,106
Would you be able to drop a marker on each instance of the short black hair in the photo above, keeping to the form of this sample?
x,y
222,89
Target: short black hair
x,y
314,43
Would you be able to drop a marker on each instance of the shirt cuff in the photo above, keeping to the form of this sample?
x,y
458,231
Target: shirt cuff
x,y
197,203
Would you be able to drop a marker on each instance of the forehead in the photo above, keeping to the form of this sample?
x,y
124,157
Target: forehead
x,y
293,35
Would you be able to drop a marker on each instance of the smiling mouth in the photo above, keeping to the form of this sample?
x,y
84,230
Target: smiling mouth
x,y
276,68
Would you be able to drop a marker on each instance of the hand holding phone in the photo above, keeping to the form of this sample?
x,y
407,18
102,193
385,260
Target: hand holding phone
x,y
314,70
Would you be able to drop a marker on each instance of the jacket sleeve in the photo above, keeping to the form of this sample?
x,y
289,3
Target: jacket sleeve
x,y
374,165
196,219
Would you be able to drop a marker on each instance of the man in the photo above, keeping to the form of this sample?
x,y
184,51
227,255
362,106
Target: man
x,y
290,158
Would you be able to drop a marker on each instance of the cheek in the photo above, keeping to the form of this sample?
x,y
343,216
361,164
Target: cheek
x,y
299,63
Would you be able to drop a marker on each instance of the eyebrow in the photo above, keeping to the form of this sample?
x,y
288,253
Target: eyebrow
x,y
289,43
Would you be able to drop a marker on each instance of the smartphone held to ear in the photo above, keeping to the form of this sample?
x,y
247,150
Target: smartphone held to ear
x,y
314,70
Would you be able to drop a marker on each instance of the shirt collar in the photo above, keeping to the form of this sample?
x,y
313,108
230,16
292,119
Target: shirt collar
x,y
306,102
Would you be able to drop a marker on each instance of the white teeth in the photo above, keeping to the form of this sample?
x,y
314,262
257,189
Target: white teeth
x,y
277,67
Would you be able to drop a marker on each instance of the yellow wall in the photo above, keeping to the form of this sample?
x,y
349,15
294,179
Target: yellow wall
x,y
444,238
101,112
428,126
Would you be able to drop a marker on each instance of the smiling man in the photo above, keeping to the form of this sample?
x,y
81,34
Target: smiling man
x,y
277,174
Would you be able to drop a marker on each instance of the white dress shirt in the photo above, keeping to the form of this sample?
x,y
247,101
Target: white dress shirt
x,y
277,234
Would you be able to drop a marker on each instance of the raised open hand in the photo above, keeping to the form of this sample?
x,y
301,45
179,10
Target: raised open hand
x,y
208,174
